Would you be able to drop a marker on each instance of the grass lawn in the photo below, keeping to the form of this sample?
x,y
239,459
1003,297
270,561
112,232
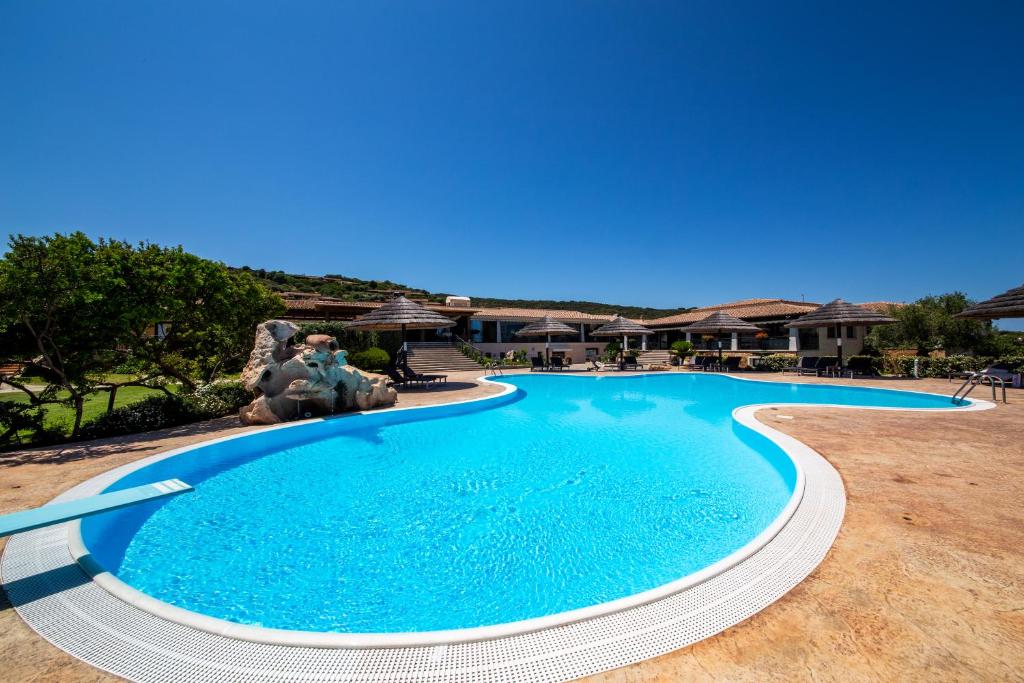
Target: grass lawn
x,y
63,417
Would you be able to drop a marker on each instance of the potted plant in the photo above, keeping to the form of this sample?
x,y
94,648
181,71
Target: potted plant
x,y
762,338
680,350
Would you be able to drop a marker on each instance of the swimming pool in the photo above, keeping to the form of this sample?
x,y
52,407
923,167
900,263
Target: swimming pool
x,y
565,495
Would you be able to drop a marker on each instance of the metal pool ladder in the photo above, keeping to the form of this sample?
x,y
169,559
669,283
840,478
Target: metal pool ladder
x,y
973,380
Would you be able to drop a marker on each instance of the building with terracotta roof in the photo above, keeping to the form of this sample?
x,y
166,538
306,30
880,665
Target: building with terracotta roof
x,y
493,330
772,316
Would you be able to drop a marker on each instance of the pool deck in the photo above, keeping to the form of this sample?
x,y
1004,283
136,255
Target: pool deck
x,y
925,581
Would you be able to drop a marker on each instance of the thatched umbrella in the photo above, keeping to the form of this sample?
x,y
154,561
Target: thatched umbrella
x,y
400,314
841,313
720,323
1009,304
545,327
621,327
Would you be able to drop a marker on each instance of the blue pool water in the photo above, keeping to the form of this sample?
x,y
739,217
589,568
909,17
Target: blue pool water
x,y
571,492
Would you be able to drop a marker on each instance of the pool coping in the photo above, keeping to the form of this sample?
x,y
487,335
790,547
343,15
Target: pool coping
x,y
277,636
731,608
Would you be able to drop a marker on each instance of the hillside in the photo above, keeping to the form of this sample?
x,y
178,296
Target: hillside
x,y
355,289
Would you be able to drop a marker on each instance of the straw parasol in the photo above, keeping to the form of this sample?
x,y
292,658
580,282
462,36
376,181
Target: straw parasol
x,y
545,327
623,327
1009,304
839,313
400,314
720,323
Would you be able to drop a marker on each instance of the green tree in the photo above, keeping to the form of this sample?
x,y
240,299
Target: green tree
x,y
63,298
193,318
82,308
929,324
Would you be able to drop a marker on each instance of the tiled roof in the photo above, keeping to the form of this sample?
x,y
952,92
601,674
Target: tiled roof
x,y
530,314
328,303
745,309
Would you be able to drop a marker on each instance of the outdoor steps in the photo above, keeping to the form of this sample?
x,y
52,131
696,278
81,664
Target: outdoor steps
x,y
655,357
430,358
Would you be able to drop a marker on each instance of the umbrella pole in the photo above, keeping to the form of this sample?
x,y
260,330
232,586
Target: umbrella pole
x,y
404,347
547,350
719,351
839,346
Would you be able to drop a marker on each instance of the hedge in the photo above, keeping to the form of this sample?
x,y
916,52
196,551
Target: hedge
x,y
372,359
943,367
774,362
159,412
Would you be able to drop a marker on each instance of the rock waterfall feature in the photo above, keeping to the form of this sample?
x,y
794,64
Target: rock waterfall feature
x,y
292,381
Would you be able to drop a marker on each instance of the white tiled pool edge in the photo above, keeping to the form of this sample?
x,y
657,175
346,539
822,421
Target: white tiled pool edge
x,y
57,599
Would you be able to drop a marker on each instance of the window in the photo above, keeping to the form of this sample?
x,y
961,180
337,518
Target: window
x,y
809,339
508,332
851,332
831,331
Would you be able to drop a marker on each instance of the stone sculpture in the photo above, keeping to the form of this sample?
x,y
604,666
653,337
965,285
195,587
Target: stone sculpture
x,y
291,381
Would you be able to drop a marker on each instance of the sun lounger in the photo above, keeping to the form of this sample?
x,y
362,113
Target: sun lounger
x,y
537,363
631,363
699,362
802,363
396,377
824,366
731,364
413,376
859,366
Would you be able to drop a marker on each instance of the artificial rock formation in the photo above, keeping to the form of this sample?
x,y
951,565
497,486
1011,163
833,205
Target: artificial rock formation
x,y
291,381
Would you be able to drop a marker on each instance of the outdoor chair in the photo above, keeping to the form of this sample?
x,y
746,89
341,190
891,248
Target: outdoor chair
x,y
996,370
396,378
824,366
631,363
802,363
698,363
556,363
413,376
731,364
860,367
537,363
710,364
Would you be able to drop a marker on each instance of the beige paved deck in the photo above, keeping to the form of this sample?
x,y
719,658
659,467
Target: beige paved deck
x,y
925,582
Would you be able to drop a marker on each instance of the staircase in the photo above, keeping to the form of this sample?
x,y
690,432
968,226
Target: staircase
x,y
655,357
429,357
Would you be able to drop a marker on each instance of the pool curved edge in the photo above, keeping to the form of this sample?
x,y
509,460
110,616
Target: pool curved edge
x,y
583,645
324,639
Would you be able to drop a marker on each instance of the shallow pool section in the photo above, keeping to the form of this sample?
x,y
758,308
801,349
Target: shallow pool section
x,y
570,492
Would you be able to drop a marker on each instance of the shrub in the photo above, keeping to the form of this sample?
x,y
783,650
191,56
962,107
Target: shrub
x,y
22,423
219,399
129,365
682,348
611,351
943,367
372,359
774,362
471,353
159,412
155,412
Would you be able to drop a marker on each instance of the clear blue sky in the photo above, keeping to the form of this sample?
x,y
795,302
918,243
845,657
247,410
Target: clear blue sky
x,y
667,154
